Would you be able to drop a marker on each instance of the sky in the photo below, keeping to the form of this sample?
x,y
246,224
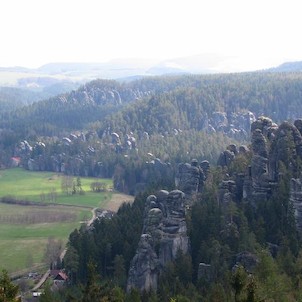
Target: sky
x,y
254,34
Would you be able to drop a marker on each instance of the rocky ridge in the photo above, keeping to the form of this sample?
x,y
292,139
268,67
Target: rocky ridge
x,y
275,150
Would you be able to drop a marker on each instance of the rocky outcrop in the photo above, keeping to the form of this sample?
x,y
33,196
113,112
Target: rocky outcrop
x,y
226,158
190,177
144,269
103,93
296,199
164,235
275,150
233,124
286,148
248,260
257,185
226,192
205,272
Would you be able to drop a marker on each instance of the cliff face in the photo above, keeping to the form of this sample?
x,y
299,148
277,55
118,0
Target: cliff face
x,y
190,178
275,150
296,199
164,235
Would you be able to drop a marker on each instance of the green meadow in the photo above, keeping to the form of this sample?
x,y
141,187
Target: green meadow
x,y
24,230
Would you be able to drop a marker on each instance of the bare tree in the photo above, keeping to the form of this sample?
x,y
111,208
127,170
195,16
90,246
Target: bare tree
x,y
53,251
67,184
52,195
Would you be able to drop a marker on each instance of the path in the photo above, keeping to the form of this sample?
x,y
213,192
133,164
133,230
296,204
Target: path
x,y
93,211
42,280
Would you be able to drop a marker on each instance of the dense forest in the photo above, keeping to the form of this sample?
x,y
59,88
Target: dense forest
x,y
244,236
183,102
217,185
168,119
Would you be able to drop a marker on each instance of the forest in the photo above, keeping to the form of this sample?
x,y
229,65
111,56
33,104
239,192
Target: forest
x,y
231,143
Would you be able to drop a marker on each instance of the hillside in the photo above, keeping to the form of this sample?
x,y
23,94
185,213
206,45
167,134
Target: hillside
x,y
112,129
225,233
185,102
287,67
217,184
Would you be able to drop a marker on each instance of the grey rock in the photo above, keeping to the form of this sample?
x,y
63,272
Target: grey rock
x,y
143,272
205,272
164,234
248,260
259,143
286,147
225,158
226,191
262,123
190,177
296,200
243,149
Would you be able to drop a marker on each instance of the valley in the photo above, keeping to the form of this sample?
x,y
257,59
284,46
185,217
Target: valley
x,y
209,167
31,214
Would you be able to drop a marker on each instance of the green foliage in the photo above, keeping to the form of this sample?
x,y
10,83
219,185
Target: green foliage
x,y
111,245
47,295
174,111
8,291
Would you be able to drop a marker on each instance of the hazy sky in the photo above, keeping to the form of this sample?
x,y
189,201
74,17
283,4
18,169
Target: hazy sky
x,y
259,32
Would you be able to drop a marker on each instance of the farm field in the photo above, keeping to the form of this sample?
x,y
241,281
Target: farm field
x,y
37,186
25,229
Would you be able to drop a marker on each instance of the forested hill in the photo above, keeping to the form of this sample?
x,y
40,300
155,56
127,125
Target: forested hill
x,y
12,98
70,111
161,104
227,233
211,103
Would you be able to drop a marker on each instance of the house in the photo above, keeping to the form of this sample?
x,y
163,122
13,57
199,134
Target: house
x,y
58,276
15,161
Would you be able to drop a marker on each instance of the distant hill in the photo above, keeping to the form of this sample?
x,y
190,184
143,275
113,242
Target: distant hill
x,y
127,68
287,67
162,104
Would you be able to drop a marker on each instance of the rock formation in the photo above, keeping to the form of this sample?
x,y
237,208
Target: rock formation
x,y
296,199
233,124
258,183
190,177
275,150
248,260
164,234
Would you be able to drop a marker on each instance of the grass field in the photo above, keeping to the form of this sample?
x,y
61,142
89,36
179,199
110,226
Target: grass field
x,y
23,230
31,186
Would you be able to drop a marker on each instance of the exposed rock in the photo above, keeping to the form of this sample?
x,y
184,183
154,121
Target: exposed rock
x,y
298,124
248,260
286,148
190,177
219,120
296,199
226,158
259,143
243,149
233,124
273,249
262,123
164,234
233,149
256,185
144,268
205,272
227,192
205,166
